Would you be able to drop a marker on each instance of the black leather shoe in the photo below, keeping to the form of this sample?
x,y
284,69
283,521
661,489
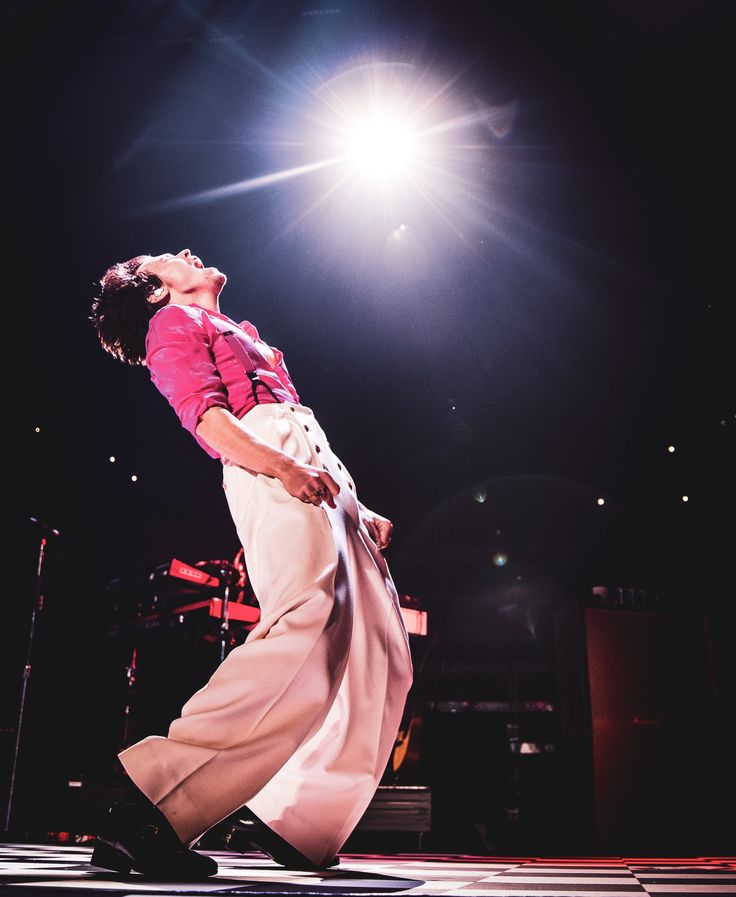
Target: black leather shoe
x,y
246,829
137,836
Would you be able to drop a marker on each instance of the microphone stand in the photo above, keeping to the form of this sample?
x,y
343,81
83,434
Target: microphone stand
x,y
37,608
225,624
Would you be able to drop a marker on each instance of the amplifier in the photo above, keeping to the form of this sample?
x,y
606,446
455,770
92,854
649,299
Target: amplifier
x,y
398,808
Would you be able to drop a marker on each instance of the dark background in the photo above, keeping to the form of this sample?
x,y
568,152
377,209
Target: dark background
x,y
545,358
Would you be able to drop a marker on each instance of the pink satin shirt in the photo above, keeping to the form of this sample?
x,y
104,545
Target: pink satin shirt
x,y
193,365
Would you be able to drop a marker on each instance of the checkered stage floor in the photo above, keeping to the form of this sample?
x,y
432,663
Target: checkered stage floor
x,y
57,869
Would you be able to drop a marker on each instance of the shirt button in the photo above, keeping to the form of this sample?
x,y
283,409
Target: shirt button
x,y
306,428
351,485
339,466
317,448
292,407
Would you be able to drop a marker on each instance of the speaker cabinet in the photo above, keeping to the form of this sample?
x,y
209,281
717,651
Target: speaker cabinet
x,y
638,722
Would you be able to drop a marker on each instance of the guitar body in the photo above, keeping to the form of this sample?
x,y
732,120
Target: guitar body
x,y
406,755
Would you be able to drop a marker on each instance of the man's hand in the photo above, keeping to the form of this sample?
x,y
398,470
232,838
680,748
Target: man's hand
x,y
234,440
309,484
379,528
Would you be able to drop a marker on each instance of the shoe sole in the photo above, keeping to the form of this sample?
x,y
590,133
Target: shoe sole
x,y
105,856
116,859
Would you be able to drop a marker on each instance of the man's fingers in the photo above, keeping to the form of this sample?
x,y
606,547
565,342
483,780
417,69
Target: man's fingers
x,y
319,487
330,483
379,531
319,493
328,488
384,528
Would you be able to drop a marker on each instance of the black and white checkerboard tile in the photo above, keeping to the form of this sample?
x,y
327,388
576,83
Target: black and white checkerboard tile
x,y
31,869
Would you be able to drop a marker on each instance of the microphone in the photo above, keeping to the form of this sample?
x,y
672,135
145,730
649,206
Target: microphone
x,y
44,526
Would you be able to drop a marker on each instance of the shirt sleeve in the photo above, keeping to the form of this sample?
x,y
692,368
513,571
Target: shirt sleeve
x,y
182,366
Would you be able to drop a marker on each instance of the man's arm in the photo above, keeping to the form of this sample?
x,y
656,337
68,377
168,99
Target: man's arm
x,y
234,440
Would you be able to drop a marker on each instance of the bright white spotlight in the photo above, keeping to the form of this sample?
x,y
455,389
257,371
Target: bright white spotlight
x,y
380,145
371,145
382,155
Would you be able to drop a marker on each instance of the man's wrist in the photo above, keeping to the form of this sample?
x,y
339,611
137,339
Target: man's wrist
x,y
281,465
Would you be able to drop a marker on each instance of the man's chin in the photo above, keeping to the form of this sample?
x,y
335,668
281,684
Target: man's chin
x,y
217,275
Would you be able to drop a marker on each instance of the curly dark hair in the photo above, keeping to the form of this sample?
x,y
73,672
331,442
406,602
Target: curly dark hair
x,y
121,309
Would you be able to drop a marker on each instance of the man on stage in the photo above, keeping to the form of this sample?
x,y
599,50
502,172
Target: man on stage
x,y
297,724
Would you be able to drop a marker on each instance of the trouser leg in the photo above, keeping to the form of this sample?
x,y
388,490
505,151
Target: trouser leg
x,y
317,798
327,600
270,693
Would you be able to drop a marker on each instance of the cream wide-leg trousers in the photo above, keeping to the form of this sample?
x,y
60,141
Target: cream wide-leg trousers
x,y
299,721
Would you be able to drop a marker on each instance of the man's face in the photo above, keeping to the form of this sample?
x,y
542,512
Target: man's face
x,y
183,273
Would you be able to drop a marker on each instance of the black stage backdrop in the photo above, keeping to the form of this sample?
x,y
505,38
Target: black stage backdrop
x,y
558,323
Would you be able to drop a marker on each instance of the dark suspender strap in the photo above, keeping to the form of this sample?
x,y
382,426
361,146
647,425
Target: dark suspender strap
x,y
240,351
255,382
250,365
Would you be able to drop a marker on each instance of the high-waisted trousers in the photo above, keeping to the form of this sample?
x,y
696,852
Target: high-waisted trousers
x,y
297,723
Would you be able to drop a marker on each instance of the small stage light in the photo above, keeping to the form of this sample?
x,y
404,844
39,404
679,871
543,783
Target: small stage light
x,y
500,559
134,479
670,448
112,459
685,498
601,501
